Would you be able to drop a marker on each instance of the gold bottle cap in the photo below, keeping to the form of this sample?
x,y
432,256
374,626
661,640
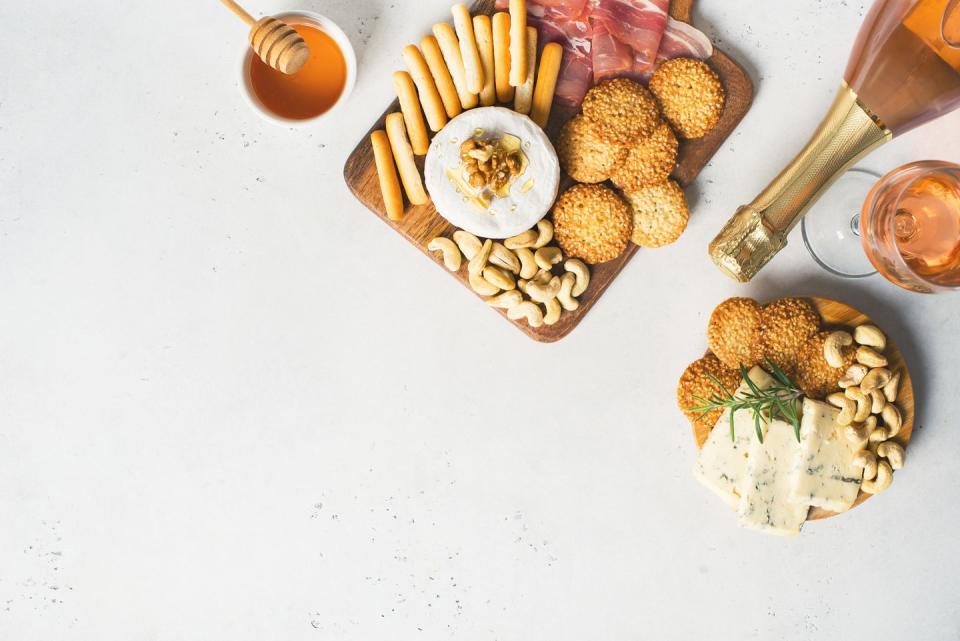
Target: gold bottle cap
x,y
745,245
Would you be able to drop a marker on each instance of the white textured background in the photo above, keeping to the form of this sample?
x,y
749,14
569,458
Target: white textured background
x,y
235,405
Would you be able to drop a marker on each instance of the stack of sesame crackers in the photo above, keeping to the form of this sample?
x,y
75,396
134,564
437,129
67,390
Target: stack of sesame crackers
x,y
628,135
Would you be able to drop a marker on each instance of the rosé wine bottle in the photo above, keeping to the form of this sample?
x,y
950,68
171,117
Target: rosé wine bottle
x,y
904,72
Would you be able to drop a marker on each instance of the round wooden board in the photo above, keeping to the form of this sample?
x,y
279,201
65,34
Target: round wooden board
x,y
837,315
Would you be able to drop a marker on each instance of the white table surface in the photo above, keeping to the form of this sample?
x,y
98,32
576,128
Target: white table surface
x,y
235,405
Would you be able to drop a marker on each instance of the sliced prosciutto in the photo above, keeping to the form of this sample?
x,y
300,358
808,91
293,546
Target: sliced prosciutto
x,y
605,39
569,8
564,22
639,24
611,57
681,40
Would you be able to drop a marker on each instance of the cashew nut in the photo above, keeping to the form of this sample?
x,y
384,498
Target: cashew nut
x,y
528,266
870,357
522,284
877,401
565,295
547,257
499,278
503,257
848,408
875,379
451,253
863,403
893,452
481,285
854,375
879,435
544,233
527,311
833,348
579,269
866,460
859,433
871,336
542,276
543,292
553,312
520,241
883,480
892,419
506,300
892,389
479,261
468,243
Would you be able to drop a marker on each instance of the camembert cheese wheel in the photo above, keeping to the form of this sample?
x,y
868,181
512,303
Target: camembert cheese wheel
x,y
529,196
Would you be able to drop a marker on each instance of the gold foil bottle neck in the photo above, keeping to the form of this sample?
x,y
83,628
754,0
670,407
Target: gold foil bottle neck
x,y
759,230
745,245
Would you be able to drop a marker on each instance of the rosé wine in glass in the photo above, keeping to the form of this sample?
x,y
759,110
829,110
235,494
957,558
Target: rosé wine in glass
x,y
911,226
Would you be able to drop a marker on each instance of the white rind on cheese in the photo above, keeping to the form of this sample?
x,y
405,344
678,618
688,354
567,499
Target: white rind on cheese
x,y
824,474
531,194
765,503
722,464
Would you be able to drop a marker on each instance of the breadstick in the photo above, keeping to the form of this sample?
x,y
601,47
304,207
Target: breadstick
x,y
484,32
412,114
450,46
472,65
524,96
441,76
519,47
550,59
387,172
429,96
501,56
403,156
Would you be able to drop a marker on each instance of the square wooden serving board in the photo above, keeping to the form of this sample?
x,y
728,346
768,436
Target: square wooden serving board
x,y
421,224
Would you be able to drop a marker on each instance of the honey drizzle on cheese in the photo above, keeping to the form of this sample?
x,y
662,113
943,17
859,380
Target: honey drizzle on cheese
x,y
483,198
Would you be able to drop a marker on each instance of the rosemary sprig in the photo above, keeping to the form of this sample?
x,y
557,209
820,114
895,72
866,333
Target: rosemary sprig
x,y
778,401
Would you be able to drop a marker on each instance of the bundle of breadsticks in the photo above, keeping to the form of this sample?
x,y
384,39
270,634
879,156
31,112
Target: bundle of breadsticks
x,y
477,61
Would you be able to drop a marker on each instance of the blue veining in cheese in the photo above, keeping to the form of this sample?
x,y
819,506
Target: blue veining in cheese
x,y
722,464
765,503
824,474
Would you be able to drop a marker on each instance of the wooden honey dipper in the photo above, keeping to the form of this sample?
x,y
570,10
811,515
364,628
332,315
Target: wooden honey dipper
x,y
274,41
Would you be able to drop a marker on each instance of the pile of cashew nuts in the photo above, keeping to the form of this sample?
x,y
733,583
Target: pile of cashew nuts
x,y
518,274
867,404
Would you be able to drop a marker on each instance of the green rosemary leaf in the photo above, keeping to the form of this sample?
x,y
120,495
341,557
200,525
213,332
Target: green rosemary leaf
x,y
719,383
756,426
778,373
746,378
780,401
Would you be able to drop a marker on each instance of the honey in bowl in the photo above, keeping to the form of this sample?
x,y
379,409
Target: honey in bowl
x,y
311,91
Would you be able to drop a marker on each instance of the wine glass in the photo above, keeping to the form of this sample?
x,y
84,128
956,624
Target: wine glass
x,y
950,29
906,225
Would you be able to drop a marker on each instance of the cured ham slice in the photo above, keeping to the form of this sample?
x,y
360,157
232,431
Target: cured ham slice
x,y
564,22
639,24
609,38
566,9
681,40
611,57
569,8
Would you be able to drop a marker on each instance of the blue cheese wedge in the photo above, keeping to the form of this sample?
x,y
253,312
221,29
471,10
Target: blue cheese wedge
x,y
722,463
529,196
825,475
765,501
